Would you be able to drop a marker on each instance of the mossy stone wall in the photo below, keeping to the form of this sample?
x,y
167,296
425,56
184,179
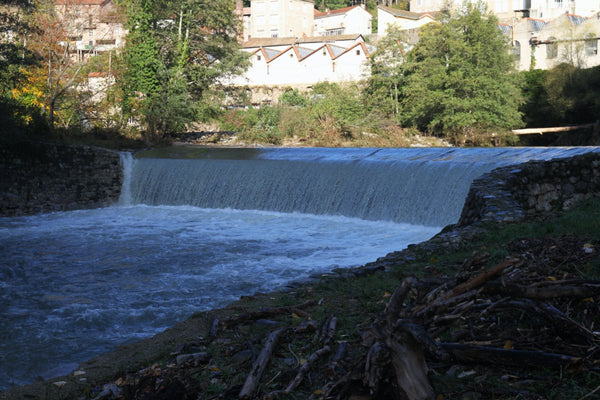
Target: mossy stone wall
x,y
45,177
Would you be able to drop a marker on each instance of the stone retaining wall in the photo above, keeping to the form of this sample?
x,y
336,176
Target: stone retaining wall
x,y
533,188
45,177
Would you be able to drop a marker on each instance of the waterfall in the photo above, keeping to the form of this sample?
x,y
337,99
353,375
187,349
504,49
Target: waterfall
x,y
417,186
127,165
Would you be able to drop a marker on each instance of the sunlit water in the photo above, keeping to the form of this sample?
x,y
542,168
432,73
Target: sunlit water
x,y
76,284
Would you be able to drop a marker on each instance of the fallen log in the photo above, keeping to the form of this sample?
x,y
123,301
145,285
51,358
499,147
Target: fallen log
x,y
541,131
406,353
333,366
569,327
519,358
545,292
328,330
259,365
483,277
267,312
305,367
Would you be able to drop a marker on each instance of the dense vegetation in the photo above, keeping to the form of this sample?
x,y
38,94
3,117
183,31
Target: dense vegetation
x,y
457,83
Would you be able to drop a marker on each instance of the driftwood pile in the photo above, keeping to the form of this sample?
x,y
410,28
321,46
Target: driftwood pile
x,y
533,310
529,311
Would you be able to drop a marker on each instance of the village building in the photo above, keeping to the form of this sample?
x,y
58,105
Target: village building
x,y
544,44
407,21
280,18
347,20
282,63
93,26
505,10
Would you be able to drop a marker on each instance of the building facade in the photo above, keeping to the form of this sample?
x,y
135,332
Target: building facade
x,y
507,9
281,18
544,44
347,20
301,63
92,26
403,20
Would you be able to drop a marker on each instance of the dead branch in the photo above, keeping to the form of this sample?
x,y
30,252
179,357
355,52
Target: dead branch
x,y
260,364
559,320
405,345
333,366
266,312
483,277
305,367
328,330
545,292
519,358
214,327
394,306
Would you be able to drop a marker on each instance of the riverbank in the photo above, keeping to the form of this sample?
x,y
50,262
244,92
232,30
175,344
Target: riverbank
x,y
211,353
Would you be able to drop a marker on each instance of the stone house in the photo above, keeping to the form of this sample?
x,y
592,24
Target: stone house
x,y
347,20
544,44
280,18
93,26
508,9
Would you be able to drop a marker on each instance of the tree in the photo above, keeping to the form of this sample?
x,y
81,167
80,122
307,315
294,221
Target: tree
x,y
177,52
141,81
383,88
15,60
59,67
459,77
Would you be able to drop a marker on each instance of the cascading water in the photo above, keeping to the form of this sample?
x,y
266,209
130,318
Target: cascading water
x,y
417,186
202,227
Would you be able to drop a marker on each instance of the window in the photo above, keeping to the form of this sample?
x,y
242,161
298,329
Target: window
x,y
551,48
591,45
334,32
258,58
358,52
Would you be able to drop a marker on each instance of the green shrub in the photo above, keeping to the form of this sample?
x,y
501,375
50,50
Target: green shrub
x,y
292,97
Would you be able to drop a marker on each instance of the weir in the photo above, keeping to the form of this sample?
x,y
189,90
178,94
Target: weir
x,y
418,186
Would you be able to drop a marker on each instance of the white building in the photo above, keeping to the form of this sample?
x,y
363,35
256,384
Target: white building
x,y
544,44
347,20
549,9
281,18
507,9
404,20
303,62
